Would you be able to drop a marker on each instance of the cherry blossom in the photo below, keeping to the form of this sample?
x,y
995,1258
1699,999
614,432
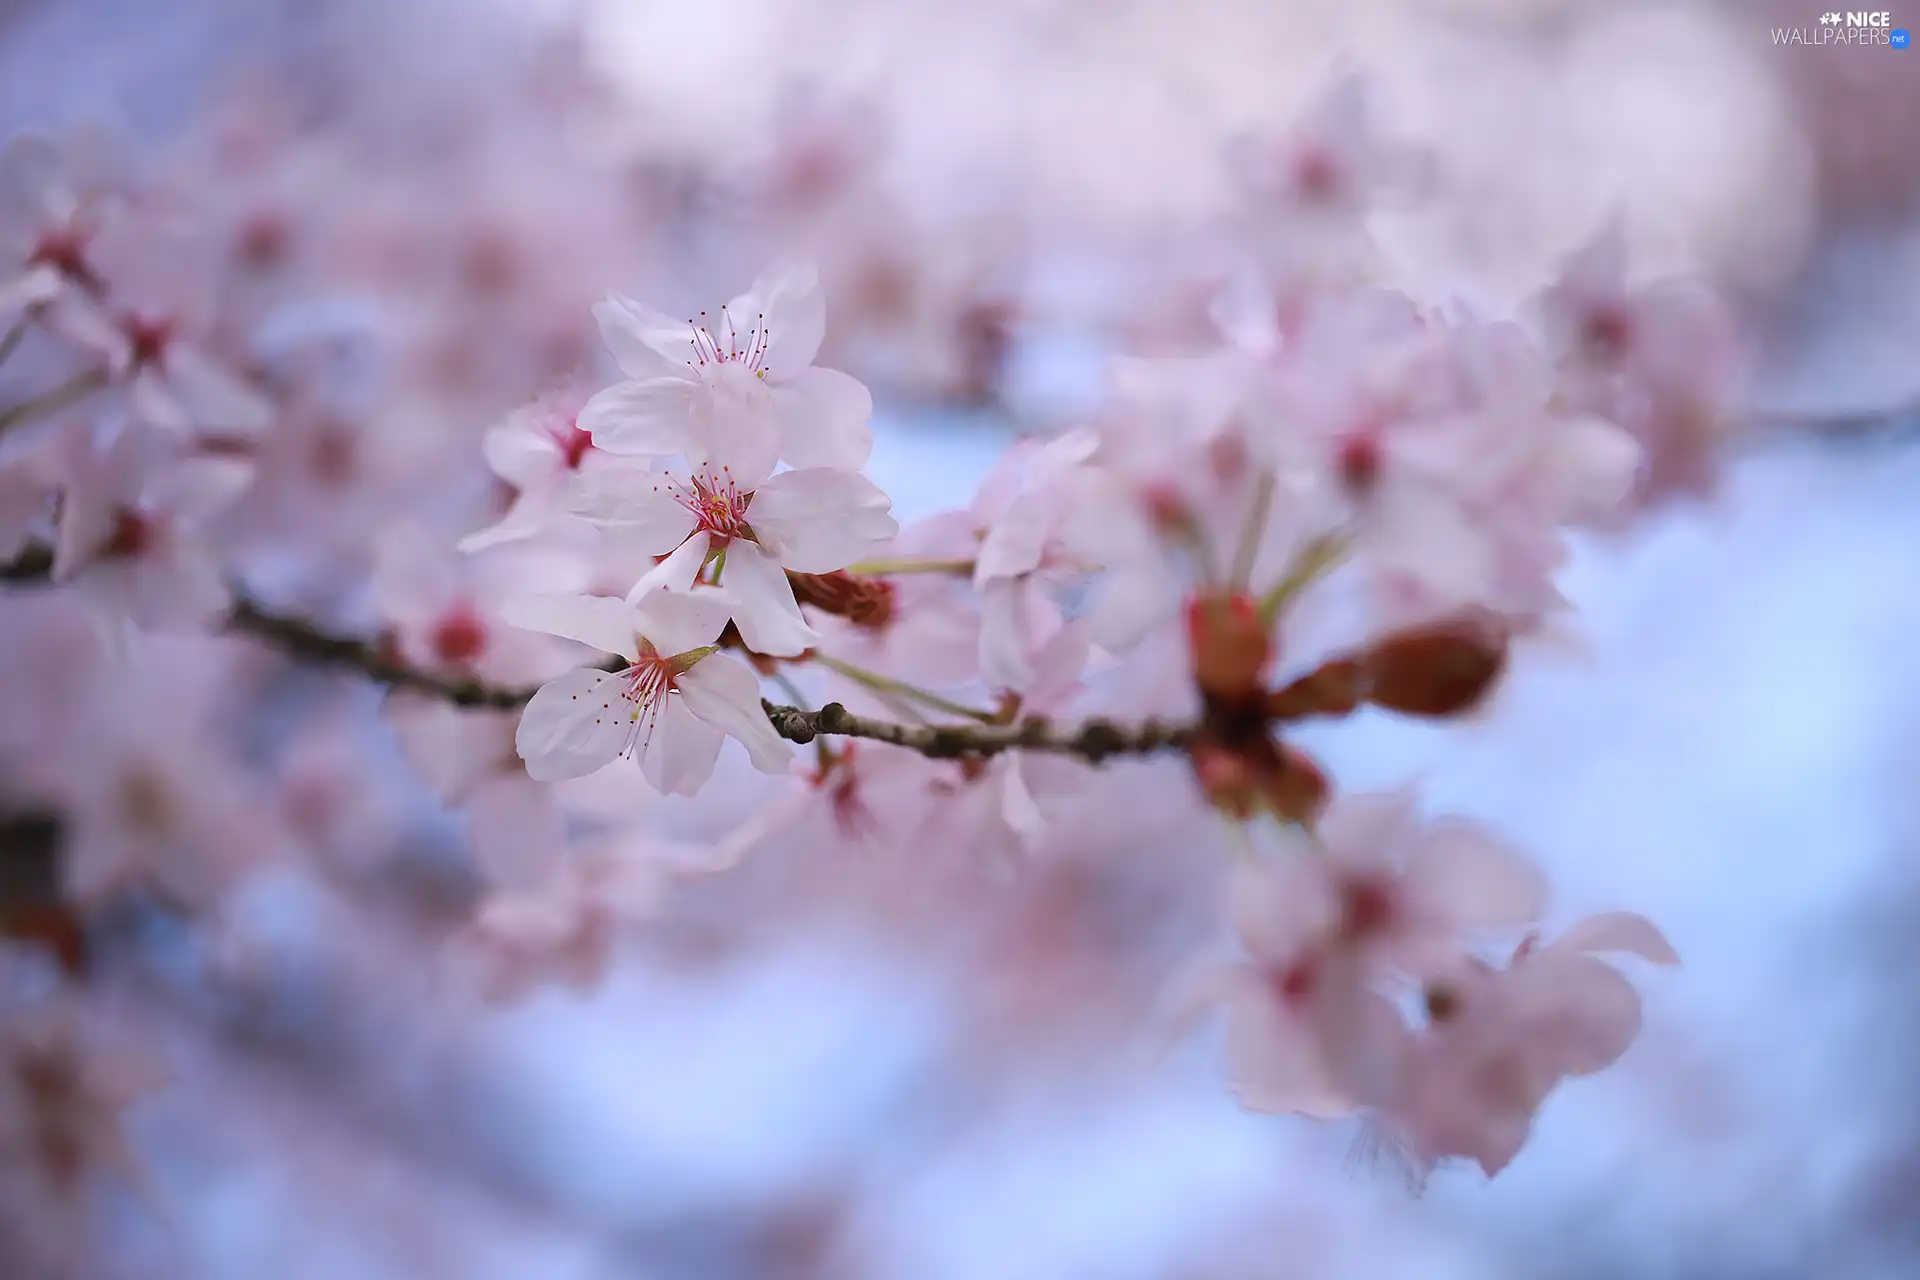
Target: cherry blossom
x,y
444,610
1661,360
1028,546
1499,1040
758,525
729,376
537,450
64,1086
670,707
52,203
131,527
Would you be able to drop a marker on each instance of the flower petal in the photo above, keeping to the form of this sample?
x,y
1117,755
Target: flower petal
x,y
1472,880
679,755
197,489
824,419
821,519
791,309
575,724
213,398
677,571
739,438
605,623
644,342
1619,931
675,622
658,417
639,502
725,693
763,605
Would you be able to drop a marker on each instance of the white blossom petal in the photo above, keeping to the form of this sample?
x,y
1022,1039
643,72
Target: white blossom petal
x,y
644,342
795,311
679,756
606,623
637,501
764,609
575,724
820,519
739,439
677,571
658,417
677,622
824,419
725,693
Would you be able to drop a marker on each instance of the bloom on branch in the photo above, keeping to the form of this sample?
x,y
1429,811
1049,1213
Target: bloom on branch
x,y
670,708
131,527
747,366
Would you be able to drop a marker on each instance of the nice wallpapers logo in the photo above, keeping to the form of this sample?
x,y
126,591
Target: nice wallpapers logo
x,y
1841,30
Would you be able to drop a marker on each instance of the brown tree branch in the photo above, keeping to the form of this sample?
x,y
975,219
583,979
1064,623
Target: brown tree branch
x,y
1093,741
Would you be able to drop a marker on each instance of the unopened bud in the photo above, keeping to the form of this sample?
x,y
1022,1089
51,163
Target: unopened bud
x,y
1230,646
1226,779
1441,669
1297,789
1334,688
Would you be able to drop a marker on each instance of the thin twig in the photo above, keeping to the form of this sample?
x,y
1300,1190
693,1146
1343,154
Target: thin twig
x,y
75,388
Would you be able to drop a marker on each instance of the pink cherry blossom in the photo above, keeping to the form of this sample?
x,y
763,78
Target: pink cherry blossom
x,y
537,450
672,705
52,203
444,610
815,520
1661,360
1499,1040
1305,1032
742,370
1026,511
131,526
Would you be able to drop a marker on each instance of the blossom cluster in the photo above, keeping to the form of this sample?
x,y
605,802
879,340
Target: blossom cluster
x,y
1350,499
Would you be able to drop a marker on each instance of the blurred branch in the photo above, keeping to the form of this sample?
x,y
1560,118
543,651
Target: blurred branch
x,y
1872,423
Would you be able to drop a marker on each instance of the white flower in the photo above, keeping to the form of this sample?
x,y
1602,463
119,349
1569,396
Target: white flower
x,y
670,707
813,521
749,365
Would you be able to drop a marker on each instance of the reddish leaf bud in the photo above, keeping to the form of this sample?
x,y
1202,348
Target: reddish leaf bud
x,y
1334,688
1297,789
1443,668
1230,646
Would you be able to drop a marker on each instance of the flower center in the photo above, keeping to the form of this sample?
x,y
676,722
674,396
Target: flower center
x,y
1366,909
1294,983
1359,460
573,443
645,687
65,250
133,534
148,337
1316,173
719,507
459,637
1607,332
725,342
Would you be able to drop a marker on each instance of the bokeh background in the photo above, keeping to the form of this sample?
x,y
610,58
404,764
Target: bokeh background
x,y
843,1069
